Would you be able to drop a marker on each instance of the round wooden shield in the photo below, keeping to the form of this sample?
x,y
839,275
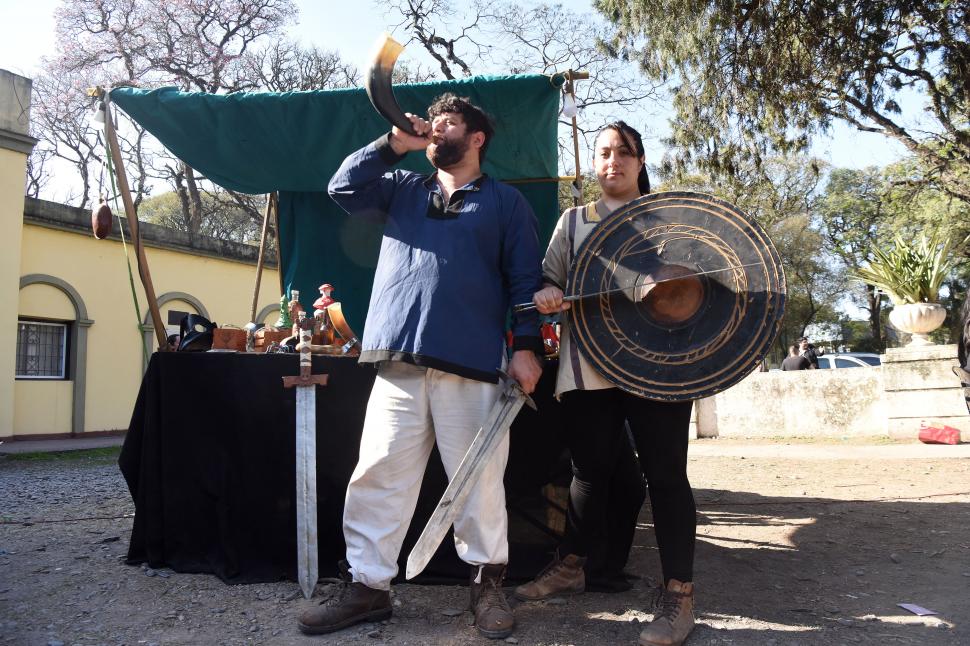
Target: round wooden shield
x,y
684,295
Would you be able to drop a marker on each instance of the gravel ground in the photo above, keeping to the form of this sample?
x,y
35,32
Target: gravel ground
x,y
792,549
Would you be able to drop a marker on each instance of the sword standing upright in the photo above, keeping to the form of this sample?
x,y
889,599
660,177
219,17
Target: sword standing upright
x,y
489,436
308,568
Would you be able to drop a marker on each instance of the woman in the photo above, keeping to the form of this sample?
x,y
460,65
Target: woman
x,y
595,412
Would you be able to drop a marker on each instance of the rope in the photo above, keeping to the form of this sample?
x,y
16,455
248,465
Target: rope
x,y
124,244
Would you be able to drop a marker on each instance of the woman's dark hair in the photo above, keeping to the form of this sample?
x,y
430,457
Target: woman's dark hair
x,y
634,142
475,118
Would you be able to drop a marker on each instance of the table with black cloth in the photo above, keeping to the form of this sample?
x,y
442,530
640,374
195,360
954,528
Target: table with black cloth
x,y
209,459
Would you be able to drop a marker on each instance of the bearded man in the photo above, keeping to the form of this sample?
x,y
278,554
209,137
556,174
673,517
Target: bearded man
x,y
458,248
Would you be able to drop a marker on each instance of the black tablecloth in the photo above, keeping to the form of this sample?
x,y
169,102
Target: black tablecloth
x,y
210,462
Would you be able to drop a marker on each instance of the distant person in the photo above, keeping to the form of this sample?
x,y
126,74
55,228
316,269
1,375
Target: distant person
x,y
809,351
796,361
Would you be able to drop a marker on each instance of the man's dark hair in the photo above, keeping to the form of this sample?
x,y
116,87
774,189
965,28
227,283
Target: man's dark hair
x,y
475,118
634,142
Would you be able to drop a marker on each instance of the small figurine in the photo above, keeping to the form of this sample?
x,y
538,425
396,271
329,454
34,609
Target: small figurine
x,y
294,310
322,326
325,299
284,321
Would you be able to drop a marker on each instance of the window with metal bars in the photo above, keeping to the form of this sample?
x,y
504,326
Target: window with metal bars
x,y
41,350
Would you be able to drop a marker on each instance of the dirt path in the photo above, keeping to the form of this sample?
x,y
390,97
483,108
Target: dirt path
x,y
797,544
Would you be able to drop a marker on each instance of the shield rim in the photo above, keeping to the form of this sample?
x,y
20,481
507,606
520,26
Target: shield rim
x,y
748,359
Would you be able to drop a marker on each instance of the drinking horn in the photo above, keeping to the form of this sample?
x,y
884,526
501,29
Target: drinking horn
x,y
379,83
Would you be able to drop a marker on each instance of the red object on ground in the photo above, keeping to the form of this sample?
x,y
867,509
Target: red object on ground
x,y
937,435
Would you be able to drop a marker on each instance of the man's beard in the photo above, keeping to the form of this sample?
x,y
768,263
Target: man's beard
x,y
448,152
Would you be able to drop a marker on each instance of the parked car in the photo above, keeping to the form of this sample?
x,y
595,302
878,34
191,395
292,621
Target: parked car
x,y
848,360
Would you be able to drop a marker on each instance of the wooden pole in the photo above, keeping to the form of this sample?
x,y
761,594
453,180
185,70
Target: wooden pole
x,y
143,273
276,229
571,77
270,206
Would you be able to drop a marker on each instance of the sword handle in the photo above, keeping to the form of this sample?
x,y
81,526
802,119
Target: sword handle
x,y
525,307
306,336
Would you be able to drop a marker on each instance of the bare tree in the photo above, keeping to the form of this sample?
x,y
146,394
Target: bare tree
x,y
61,111
514,38
214,46
38,174
194,44
545,39
285,67
427,20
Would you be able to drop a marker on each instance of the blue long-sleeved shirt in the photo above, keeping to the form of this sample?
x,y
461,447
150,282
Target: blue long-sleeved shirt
x,y
447,273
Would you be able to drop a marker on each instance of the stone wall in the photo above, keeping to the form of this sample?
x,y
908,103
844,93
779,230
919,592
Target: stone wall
x,y
919,385
912,386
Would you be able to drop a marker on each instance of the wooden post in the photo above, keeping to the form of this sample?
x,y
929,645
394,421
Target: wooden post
x,y
279,252
143,273
270,207
571,77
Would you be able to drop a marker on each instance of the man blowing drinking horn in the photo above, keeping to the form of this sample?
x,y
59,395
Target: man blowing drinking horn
x,y
458,247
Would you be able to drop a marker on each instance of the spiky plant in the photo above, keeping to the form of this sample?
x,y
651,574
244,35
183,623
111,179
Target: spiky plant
x,y
910,272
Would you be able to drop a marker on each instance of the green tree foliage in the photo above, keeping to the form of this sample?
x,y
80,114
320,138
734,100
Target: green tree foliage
x,y
752,78
856,219
862,210
781,195
224,218
215,46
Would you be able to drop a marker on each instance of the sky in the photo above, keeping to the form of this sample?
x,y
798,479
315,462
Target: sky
x,y
351,27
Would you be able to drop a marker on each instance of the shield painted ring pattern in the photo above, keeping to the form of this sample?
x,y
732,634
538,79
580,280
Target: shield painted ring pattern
x,y
685,296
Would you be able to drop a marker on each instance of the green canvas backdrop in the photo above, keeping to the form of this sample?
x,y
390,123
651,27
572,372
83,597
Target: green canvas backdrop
x,y
293,143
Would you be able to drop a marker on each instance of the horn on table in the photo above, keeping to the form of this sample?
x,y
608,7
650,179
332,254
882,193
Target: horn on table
x,y
378,87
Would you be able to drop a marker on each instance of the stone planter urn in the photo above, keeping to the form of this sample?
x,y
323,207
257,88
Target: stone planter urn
x,y
919,319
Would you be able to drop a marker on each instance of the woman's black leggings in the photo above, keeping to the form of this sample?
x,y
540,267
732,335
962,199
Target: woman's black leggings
x,y
595,433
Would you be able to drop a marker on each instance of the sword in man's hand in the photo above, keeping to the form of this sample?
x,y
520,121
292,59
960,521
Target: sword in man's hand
x,y
307,566
489,437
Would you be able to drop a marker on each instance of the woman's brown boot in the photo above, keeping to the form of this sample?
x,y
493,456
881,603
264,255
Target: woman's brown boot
x,y
674,618
561,577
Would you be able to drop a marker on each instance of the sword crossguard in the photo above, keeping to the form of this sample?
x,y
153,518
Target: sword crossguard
x,y
512,384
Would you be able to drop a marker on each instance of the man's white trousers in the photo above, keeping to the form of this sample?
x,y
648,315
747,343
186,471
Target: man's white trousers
x,y
410,408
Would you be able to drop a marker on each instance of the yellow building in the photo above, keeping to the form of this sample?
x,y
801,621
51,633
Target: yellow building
x,y
71,351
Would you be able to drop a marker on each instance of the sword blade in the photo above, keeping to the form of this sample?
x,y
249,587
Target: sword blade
x,y
308,568
489,436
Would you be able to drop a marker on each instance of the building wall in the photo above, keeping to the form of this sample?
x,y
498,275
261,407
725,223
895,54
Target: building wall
x,y
12,169
97,270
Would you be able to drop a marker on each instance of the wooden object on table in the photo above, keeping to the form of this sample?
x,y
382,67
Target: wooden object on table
x,y
229,338
266,336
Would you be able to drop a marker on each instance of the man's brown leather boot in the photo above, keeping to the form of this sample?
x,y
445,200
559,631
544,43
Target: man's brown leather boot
x,y
493,616
351,603
562,576
674,618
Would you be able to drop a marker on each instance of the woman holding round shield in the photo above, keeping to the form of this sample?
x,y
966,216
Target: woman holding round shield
x,y
596,412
